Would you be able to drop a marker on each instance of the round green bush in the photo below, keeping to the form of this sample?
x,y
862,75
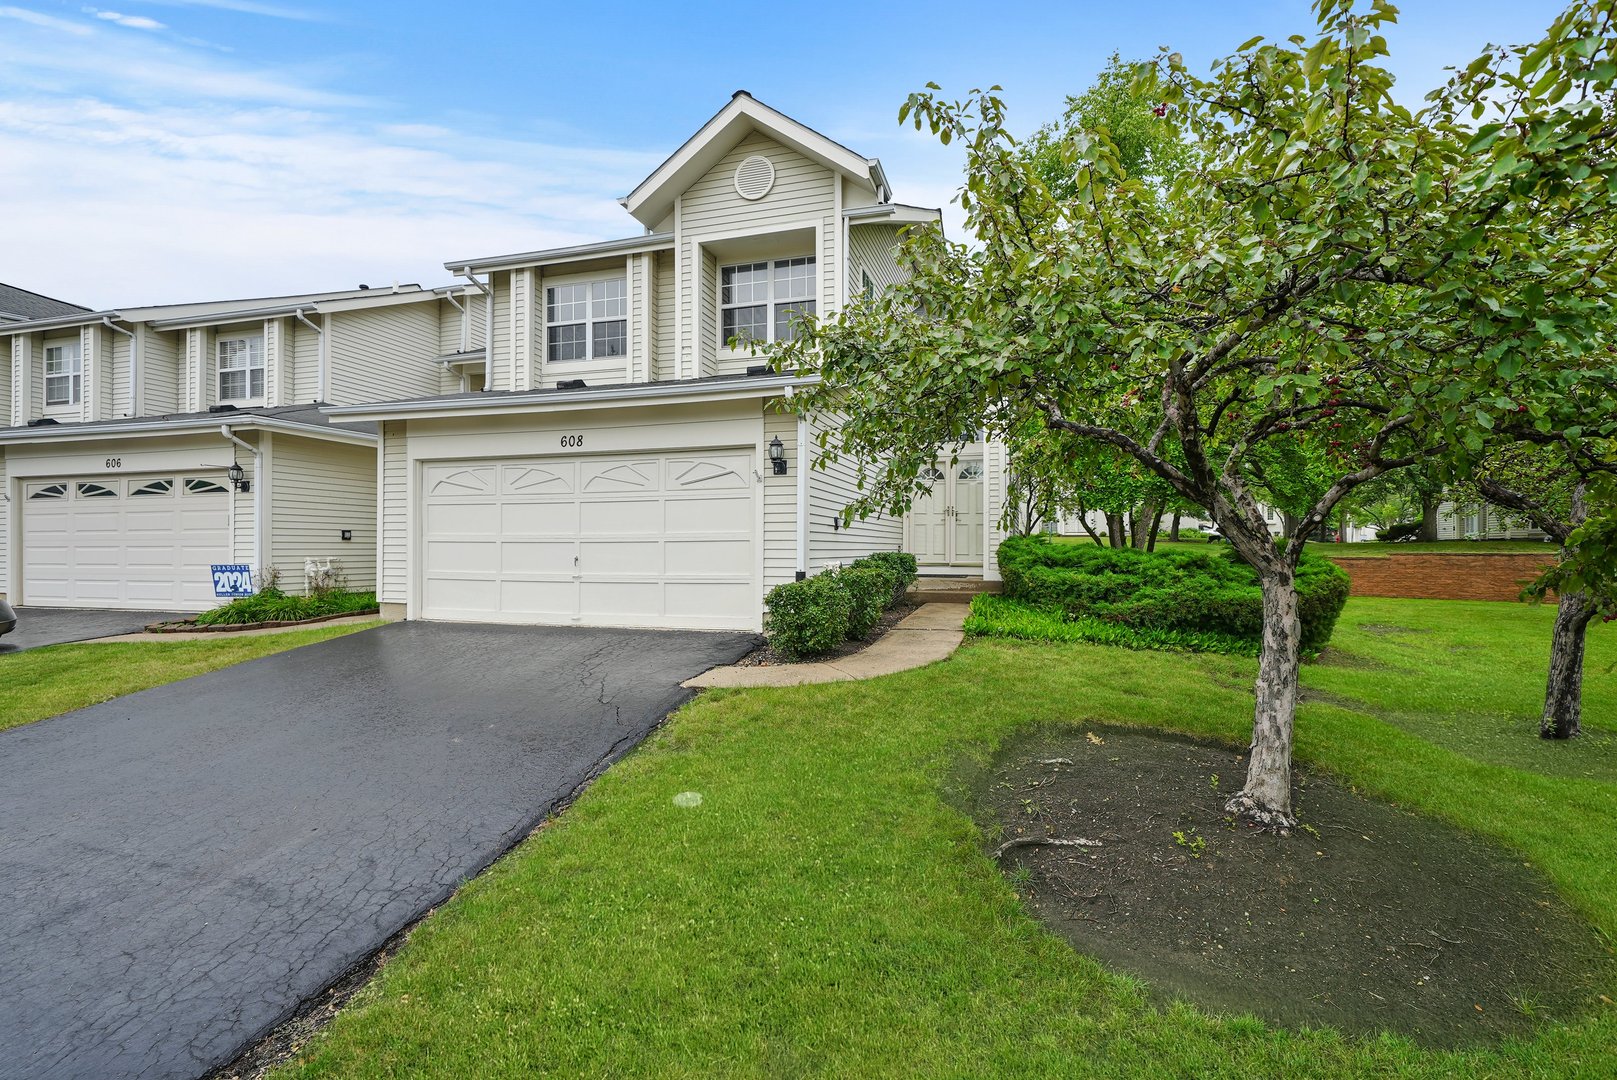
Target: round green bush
x,y
901,565
808,617
870,592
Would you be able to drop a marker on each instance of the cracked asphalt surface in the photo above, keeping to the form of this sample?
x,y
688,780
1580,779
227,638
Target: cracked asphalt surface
x,y
181,867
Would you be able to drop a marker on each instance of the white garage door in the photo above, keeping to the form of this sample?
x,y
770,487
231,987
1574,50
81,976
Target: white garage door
x,y
648,540
124,542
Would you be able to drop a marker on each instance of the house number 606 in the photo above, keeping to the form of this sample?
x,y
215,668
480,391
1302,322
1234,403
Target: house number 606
x,y
572,440
115,463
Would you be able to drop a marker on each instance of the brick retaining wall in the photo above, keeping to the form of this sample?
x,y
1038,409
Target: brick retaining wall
x,y
1483,576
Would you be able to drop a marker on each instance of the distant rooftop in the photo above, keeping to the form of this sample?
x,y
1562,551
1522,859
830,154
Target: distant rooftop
x,y
20,305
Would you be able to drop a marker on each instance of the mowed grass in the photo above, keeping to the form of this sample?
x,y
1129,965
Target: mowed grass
x,y
828,911
49,681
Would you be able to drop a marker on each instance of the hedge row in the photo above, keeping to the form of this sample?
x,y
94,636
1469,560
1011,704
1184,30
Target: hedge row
x,y
270,604
1205,591
816,615
997,617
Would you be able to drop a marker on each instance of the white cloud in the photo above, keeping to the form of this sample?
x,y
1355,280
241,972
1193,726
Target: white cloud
x,y
134,22
249,7
48,22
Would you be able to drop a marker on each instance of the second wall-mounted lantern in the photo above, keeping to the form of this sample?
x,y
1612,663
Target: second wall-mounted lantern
x,y
777,455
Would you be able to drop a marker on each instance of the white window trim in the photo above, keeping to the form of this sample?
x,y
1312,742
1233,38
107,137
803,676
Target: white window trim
x,y
770,304
261,367
74,375
548,282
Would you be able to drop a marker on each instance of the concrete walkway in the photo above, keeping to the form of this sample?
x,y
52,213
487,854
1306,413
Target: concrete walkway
x,y
931,633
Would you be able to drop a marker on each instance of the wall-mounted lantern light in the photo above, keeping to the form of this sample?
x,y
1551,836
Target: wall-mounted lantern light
x,y
777,455
238,478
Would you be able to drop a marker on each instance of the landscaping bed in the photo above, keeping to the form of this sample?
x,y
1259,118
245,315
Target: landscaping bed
x,y
1369,918
191,626
766,655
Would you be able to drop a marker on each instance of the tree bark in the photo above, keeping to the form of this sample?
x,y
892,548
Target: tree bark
x,y
1156,527
1428,518
1114,530
1083,519
1266,798
1563,698
1140,518
1173,529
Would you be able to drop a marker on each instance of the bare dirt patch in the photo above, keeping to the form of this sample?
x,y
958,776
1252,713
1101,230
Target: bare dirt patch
x,y
1369,918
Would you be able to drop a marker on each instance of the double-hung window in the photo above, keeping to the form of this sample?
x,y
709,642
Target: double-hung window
x,y
587,320
241,368
763,301
64,374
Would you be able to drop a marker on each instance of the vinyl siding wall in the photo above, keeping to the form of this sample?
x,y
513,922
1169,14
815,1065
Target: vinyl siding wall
x,y
830,490
873,250
995,464
160,373
383,354
242,506
665,337
319,489
303,387
392,501
499,358
119,378
780,504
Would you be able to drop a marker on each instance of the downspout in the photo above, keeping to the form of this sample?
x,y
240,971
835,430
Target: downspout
x,y
488,321
802,493
465,331
320,387
258,496
134,362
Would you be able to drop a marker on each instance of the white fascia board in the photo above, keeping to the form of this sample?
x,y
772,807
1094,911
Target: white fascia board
x,y
654,196
631,245
573,400
145,429
60,322
383,298
892,214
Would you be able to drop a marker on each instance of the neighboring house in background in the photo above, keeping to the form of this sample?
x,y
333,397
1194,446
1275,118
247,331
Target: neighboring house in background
x,y
120,427
1482,522
20,305
619,469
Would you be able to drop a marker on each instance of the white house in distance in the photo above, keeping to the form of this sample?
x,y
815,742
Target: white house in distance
x,y
121,428
622,465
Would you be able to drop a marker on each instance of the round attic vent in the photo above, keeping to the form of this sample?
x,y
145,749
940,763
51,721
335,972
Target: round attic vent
x,y
754,177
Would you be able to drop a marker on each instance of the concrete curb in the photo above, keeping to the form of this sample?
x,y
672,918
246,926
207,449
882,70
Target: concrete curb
x,y
931,633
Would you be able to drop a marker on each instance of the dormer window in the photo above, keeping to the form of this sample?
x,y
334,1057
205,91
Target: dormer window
x,y
64,374
241,368
763,301
587,320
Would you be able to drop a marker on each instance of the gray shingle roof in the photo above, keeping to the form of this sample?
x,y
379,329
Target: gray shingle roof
x,y
20,305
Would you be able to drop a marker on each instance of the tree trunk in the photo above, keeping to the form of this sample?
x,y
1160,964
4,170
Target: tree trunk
x,y
1083,519
1563,699
1140,518
1173,530
1114,530
1428,519
1156,527
1266,798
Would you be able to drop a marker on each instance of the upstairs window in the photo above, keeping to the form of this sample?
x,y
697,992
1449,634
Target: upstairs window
x,y
763,301
587,320
64,374
241,368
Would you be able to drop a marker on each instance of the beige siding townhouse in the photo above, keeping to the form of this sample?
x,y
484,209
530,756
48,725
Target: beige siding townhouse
x,y
140,446
612,460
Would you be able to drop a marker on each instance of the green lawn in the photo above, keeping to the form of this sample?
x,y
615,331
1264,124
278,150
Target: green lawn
x,y
1377,548
828,911
60,678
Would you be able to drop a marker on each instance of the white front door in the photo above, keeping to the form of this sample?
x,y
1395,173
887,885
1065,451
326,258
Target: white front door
x,y
946,525
124,542
666,540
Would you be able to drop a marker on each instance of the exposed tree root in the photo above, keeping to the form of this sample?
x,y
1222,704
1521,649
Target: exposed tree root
x,y
1042,841
1248,809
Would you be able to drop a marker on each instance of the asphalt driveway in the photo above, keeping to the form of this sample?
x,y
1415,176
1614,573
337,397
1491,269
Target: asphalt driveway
x,y
38,626
181,867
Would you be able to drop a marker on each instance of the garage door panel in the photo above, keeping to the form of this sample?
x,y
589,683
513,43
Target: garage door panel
x,y
547,518
732,515
97,546
641,540
537,557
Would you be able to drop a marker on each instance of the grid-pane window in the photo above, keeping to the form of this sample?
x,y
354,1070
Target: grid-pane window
x,y
763,301
241,368
587,320
64,374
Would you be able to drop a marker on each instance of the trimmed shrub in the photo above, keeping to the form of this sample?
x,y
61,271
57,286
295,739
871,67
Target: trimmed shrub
x,y
1404,530
995,616
1203,591
901,564
808,617
869,586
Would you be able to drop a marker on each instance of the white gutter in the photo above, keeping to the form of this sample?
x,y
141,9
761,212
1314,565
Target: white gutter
x,y
83,433
736,388
258,496
802,493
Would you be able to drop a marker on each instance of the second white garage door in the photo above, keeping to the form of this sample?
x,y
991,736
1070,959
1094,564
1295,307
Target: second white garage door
x,y
666,540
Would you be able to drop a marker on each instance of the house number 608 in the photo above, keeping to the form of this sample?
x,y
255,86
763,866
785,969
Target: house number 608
x,y
572,440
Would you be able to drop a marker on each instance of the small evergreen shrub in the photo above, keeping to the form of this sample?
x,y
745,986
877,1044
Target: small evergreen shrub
x,y
870,588
808,617
901,564
1181,590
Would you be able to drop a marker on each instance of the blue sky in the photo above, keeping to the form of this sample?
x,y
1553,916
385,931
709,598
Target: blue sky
x,y
155,152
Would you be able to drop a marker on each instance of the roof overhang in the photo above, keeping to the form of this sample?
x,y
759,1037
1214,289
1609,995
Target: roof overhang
x,y
61,322
632,245
892,214
674,393
653,199
190,425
